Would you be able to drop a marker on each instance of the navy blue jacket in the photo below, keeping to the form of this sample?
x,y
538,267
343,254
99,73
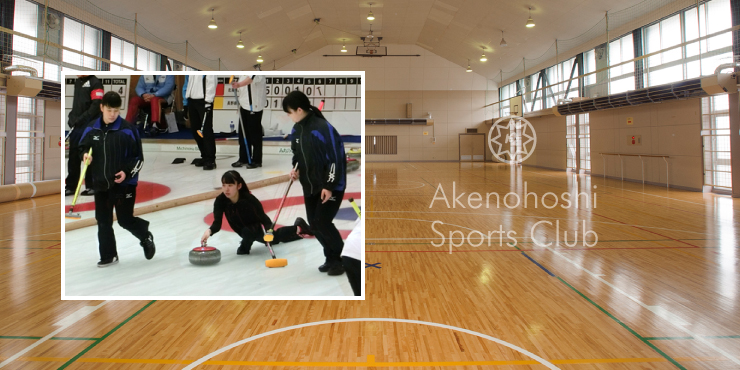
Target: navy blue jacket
x,y
114,149
319,151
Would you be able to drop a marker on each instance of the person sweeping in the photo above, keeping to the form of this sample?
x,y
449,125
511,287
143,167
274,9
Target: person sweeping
x,y
247,217
319,152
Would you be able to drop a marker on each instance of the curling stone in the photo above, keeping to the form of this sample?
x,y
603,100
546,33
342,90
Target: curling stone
x,y
204,256
352,164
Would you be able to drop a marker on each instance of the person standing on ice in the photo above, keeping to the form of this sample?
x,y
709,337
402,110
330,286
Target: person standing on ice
x,y
116,147
322,169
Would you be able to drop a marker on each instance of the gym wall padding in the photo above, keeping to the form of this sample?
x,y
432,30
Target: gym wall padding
x,y
9,193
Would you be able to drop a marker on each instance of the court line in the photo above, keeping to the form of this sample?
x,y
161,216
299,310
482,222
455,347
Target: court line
x,y
616,223
53,338
63,324
608,218
449,327
372,363
28,264
73,359
657,310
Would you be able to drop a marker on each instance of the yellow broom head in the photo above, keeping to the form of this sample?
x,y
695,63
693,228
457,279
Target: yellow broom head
x,y
269,238
276,262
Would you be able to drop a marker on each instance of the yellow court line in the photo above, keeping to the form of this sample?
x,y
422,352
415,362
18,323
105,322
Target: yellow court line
x,y
370,362
9,271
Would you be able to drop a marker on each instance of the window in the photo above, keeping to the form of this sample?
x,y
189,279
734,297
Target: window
x,y
589,65
621,78
147,60
534,104
121,52
29,142
664,67
507,92
584,139
716,138
84,38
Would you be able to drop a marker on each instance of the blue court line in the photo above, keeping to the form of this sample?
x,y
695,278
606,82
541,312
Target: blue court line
x,y
538,265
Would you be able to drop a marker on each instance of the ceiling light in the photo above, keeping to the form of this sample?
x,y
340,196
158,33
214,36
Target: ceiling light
x,y
344,48
259,59
483,56
530,22
370,15
212,25
469,69
503,42
240,44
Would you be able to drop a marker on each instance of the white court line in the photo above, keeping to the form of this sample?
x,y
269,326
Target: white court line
x,y
480,335
661,312
63,324
522,216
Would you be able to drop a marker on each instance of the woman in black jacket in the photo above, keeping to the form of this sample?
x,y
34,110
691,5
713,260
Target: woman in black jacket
x,y
319,152
246,216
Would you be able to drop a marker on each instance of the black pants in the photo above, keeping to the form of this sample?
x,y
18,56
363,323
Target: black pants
x,y
207,143
354,273
321,219
74,162
253,233
122,198
252,122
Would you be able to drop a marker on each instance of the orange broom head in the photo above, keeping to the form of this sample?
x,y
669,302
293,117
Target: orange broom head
x,y
200,133
276,262
73,216
269,238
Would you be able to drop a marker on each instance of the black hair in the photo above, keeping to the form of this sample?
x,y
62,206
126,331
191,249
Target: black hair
x,y
233,177
297,99
111,99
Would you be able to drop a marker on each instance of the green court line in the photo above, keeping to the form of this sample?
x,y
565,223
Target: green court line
x,y
707,337
656,349
37,338
72,338
97,341
667,338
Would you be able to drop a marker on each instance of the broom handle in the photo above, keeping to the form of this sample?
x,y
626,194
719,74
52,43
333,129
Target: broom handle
x,y
280,208
82,177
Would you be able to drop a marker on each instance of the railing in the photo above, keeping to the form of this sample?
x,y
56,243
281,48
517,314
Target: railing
x,y
621,164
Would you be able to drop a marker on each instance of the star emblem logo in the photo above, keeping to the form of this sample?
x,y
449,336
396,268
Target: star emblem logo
x,y
512,139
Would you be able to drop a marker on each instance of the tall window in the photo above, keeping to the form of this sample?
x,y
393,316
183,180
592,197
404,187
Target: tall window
x,y
589,65
621,78
121,52
584,139
716,138
664,67
84,38
507,92
29,142
25,20
147,60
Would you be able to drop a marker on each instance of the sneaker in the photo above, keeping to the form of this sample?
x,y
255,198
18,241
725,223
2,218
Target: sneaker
x,y
209,166
324,267
148,245
336,270
88,192
68,192
237,164
303,228
254,165
108,262
244,249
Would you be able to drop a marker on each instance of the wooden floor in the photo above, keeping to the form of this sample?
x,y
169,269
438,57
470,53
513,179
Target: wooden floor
x,y
658,291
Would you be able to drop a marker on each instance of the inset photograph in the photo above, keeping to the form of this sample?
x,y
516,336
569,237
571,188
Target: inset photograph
x,y
213,186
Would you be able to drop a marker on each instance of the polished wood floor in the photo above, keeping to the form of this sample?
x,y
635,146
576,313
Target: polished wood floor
x,y
659,290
